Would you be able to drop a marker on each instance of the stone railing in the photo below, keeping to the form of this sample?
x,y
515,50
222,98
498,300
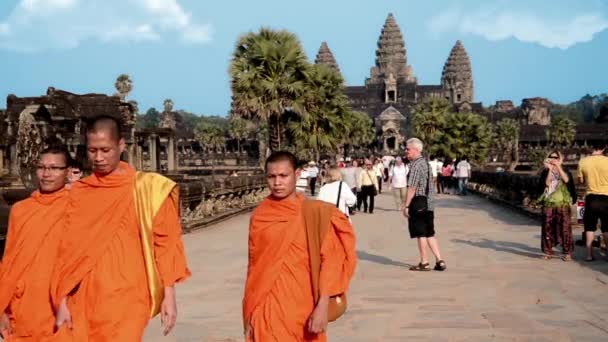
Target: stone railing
x,y
208,200
517,190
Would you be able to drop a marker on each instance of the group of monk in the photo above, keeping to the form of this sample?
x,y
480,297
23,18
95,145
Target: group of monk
x,y
96,260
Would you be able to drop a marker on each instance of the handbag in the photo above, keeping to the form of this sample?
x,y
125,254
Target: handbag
x,y
338,199
317,226
419,203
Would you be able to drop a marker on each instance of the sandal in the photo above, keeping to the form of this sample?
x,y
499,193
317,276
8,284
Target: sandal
x,y
567,257
421,267
440,266
546,257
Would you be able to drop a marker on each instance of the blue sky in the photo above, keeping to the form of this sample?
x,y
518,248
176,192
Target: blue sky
x,y
180,49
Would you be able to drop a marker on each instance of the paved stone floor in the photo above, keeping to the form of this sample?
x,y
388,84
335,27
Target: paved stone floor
x,y
496,287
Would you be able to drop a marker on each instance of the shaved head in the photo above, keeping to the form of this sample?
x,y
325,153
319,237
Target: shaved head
x,y
104,144
105,124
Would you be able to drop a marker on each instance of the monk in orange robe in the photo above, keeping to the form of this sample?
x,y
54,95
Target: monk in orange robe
x,y
278,304
34,230
122,252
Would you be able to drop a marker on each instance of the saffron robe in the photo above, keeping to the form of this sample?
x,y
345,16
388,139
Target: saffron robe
x,y
102,262
278,298
34,230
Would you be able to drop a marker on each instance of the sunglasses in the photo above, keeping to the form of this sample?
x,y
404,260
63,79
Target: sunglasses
x,y
553,157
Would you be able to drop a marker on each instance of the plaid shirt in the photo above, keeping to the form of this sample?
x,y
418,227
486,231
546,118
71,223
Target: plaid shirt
x,y
419,178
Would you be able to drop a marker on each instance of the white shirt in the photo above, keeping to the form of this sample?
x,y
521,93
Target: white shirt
x,y
434,164
463,169
386,160
379,168
399,176
313,171
329,193
302,182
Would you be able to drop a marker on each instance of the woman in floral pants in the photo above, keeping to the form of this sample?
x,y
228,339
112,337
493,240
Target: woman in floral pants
x,y
558,195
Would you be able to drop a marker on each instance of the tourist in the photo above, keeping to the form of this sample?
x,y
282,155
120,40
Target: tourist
x,y
121,253
593,172
302,183
445,178
463,173
367,186
35,226
350,175
234,173
558,195
313,172
279,301
397,179
74,171
379,170
436,166
387,160
337,192
418,207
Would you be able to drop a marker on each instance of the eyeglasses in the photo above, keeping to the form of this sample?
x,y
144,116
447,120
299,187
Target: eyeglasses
x,y
53,169
76,172
553,157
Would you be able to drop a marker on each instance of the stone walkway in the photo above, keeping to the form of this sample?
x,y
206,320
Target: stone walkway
x,y
496,287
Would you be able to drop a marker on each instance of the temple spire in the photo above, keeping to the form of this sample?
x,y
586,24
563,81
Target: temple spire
x,y
325,56
457,75
391,56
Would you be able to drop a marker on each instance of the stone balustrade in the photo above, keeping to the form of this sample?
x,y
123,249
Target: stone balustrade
x,y
517,190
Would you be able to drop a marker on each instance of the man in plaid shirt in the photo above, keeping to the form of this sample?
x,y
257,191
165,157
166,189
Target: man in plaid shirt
x,y
418,207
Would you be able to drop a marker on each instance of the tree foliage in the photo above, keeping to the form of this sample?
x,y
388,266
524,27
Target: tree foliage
x,y
452,135
506,139
562,132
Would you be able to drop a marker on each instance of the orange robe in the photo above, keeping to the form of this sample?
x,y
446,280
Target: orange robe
x,y
101,258
278,298
34,231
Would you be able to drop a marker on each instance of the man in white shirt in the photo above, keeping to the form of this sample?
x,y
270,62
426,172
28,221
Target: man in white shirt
x,y
302,182
313,172
436,166
398,181
379,170
463,173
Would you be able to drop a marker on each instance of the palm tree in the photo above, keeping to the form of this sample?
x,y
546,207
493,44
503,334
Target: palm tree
x,y
360,131
321,126
123,85
238,130
268,71
210,136
562,132
507,139
463,134
429,117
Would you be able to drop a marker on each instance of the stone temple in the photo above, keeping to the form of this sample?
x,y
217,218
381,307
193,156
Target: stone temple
x,y
392,90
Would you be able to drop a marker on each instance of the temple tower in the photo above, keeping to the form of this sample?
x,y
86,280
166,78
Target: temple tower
x,y
457,77
325,56
391,56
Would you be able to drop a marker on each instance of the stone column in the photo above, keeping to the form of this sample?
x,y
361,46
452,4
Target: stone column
x,y
140,157
14,163
171,154
1,161
132,151
152,148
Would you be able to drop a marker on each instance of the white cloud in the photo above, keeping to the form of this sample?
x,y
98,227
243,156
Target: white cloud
x,y
36,25
553,30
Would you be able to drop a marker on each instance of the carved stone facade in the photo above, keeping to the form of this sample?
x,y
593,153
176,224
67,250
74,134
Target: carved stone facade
x,y
392,82
391,122
535,111
30,121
